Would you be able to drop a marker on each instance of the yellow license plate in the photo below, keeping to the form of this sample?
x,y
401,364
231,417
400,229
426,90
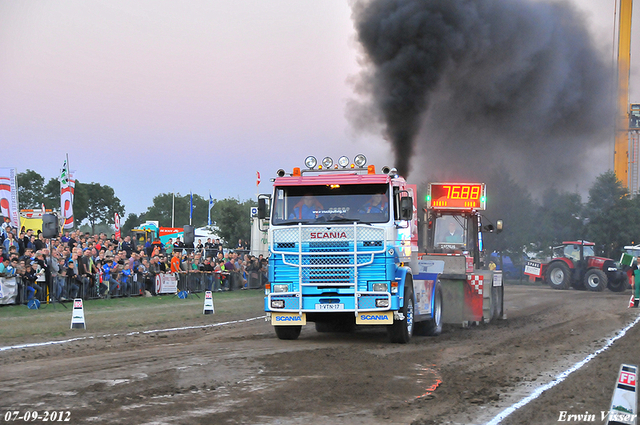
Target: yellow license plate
x,y
288,319
375,318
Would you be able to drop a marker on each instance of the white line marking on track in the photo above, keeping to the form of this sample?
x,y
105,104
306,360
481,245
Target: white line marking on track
x,y
41,344
538,391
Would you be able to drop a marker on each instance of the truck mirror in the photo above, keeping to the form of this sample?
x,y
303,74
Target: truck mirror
x,y
498,226
406,208
262,208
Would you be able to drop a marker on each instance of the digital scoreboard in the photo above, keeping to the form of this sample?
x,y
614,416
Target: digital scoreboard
x,y
457,196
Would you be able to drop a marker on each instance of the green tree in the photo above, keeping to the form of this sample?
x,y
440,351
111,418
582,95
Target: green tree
x,y
30,185
131,222
163,208
513,204
51,193
612,216
101,204
233,220
559,218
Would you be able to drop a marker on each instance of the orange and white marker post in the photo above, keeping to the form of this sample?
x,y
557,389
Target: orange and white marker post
x,y
208,303
77,315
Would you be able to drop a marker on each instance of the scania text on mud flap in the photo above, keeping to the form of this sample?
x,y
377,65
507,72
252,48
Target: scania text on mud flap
x,y
454,250
341,241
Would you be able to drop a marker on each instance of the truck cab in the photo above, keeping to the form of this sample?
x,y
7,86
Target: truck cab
x,y
341,240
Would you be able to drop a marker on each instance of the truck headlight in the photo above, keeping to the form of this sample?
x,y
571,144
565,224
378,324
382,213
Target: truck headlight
x,y
380,287
281,288
277,303
382,302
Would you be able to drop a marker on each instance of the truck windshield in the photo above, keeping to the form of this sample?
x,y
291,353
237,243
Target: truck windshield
x,y
331,203
450,234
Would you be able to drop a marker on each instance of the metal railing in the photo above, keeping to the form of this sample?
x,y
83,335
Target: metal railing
x,y
62,288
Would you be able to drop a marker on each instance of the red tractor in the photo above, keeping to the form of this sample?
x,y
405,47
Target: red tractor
x,y
574,264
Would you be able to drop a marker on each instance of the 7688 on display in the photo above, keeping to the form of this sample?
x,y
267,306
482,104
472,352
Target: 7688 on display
x,y
32,416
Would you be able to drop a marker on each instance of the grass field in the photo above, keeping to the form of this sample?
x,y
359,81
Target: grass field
x,y
125,315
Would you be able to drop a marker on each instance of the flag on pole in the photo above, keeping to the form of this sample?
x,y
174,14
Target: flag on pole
x,y
116,221
9,195
210,206
64,174
67,191
257,178
190,207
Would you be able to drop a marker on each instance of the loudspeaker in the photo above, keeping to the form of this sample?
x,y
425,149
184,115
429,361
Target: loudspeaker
x,y
189,235
49,226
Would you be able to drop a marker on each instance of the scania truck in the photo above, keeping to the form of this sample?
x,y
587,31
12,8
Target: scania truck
x,y
343,245
341,240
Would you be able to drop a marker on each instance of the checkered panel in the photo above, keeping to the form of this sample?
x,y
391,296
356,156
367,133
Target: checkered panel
x,y
367,301
476,282
291,302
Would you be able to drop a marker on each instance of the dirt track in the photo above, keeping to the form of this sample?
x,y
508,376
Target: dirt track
x,y
241,373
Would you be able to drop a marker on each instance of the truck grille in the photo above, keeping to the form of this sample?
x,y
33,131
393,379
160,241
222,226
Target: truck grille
x,y
327,262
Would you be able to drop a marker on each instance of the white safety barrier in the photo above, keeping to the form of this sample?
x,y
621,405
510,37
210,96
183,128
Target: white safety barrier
x,y
623,409
208,303
77,315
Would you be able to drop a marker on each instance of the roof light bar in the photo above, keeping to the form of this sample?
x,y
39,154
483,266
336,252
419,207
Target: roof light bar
x,y
311,162
360,160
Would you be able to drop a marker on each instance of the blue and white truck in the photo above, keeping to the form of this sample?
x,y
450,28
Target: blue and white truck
x,y
343,245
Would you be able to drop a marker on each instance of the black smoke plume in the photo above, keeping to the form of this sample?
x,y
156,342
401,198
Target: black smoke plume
x,y
458,85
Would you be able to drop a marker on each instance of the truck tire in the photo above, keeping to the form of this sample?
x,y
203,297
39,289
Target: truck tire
x,y
558,275
288,332
402,330
432,327
620,285
595,280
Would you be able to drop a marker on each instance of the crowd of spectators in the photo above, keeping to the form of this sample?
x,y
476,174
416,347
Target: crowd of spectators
x,y
81,265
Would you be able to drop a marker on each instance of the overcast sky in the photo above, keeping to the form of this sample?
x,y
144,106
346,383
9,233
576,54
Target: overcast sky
x,y
151,97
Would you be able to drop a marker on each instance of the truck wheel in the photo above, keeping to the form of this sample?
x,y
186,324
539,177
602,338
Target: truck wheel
x,y
620,285
595,280
402,330
558,276
432,327
288,332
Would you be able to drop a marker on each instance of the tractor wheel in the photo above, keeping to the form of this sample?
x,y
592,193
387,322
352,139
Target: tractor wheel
x,y
595,280
402,330
558,275
620,285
